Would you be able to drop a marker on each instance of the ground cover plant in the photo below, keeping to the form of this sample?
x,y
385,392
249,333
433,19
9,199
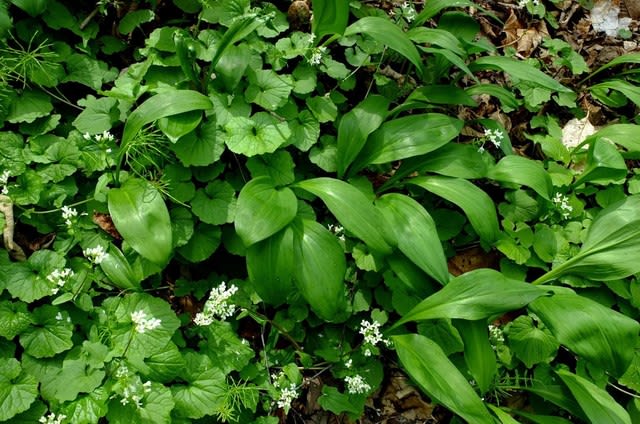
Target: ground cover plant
x,y
254,212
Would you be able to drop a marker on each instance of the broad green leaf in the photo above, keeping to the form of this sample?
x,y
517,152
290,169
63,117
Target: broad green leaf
x,y
51,334
520,170
32,7
278,166
119,271
215,204
239,29
176,126
334,401
225,348
167,103
605,165
329,17
18,389
440,38
256,136
205,390
596,333
475,203
270,267
319,270
541,419
433,7
163,366
76,376
408,136
204,241
98,115
416,234
88,71
598,405
268,89
134,19
625,135
352,209
478,352
610,247
429,367
200,147
29,106
530,343
142,218
630,91
156,407
507,99
519,71
14,318
386,32
87,409
472,296
503,416
442,94
618,60
356,125
262,210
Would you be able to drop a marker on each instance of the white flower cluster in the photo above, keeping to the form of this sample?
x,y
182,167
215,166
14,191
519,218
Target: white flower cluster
x,y
134,389
105,136
372,336
524,3
95,254
408,11
4,179
217,305
316,55
139,318
496,335
67,214
562,203
338,230
52,419
494,136
356,384
59,278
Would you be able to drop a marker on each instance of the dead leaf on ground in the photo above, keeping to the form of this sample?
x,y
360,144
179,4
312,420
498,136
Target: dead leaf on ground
x,y
526,40
105,222
576,131
470,259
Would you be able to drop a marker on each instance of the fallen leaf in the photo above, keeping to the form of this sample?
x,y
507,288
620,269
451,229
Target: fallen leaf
x,y
576,131
105,222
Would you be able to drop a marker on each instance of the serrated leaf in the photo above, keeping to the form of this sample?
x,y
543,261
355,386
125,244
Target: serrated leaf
x,y
17,392
29,106
133,19
200,147
98,115
278,166
205,390
14,318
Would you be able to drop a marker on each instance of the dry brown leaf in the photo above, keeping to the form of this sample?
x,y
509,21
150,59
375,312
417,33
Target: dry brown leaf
x,y
511,28
105,222
576,131
6,208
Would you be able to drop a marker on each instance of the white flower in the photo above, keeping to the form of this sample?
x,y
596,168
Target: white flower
x,y
316,55
287,395
349,363
59,277
562,202
52,418
371,332
356,384
4,178
67,214
95,254
86,136
217,305
408,11
139,318
495,136
122,371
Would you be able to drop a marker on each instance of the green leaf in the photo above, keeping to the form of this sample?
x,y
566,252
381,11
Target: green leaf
x,y
618,60
434,7
352,209
329,17
507,99
205,391
87,409
256,136
88,71
356,125
609,250
28,280
268,89
627,89
14,318
29,106
134,19
263,210
597,333
200,147
162,366
319,270
519,71
408,136
598,405
520,170
429,367
472,296
142,218
117,268
98,115
626,135
322,108
76,376
605,165
440,38
32,7
176,126
333,401
278,166
226,349
386,32
270,267
478,352
205,241
305,130
416,234
18,389
530,343
215,204
475,203
51,334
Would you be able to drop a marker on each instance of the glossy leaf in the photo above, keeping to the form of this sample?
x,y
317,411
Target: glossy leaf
x,y
604,165
437,37
386,32
117,269
270,266
408,136
472,296
625,135
352,208
356,125
530,343
176,126
142,218
630,91
475,203
609,251
598,405
429,367
478,352
262,210
433,7
594,332
522,171
319,269
329,17
503,416
416,234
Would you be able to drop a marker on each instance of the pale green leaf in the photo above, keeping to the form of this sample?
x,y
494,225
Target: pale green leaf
x,y
329,17
523,171
256,136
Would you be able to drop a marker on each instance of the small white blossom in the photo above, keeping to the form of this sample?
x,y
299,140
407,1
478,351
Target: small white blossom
x,y
408,11
316,55
349,363
217,305
496,335
4,179
122,371
52,418
287,395
367,352
371,332
59,277
139,318
562,203
95,254
338,230
356,384
59,316
494,136
67,214
86,136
